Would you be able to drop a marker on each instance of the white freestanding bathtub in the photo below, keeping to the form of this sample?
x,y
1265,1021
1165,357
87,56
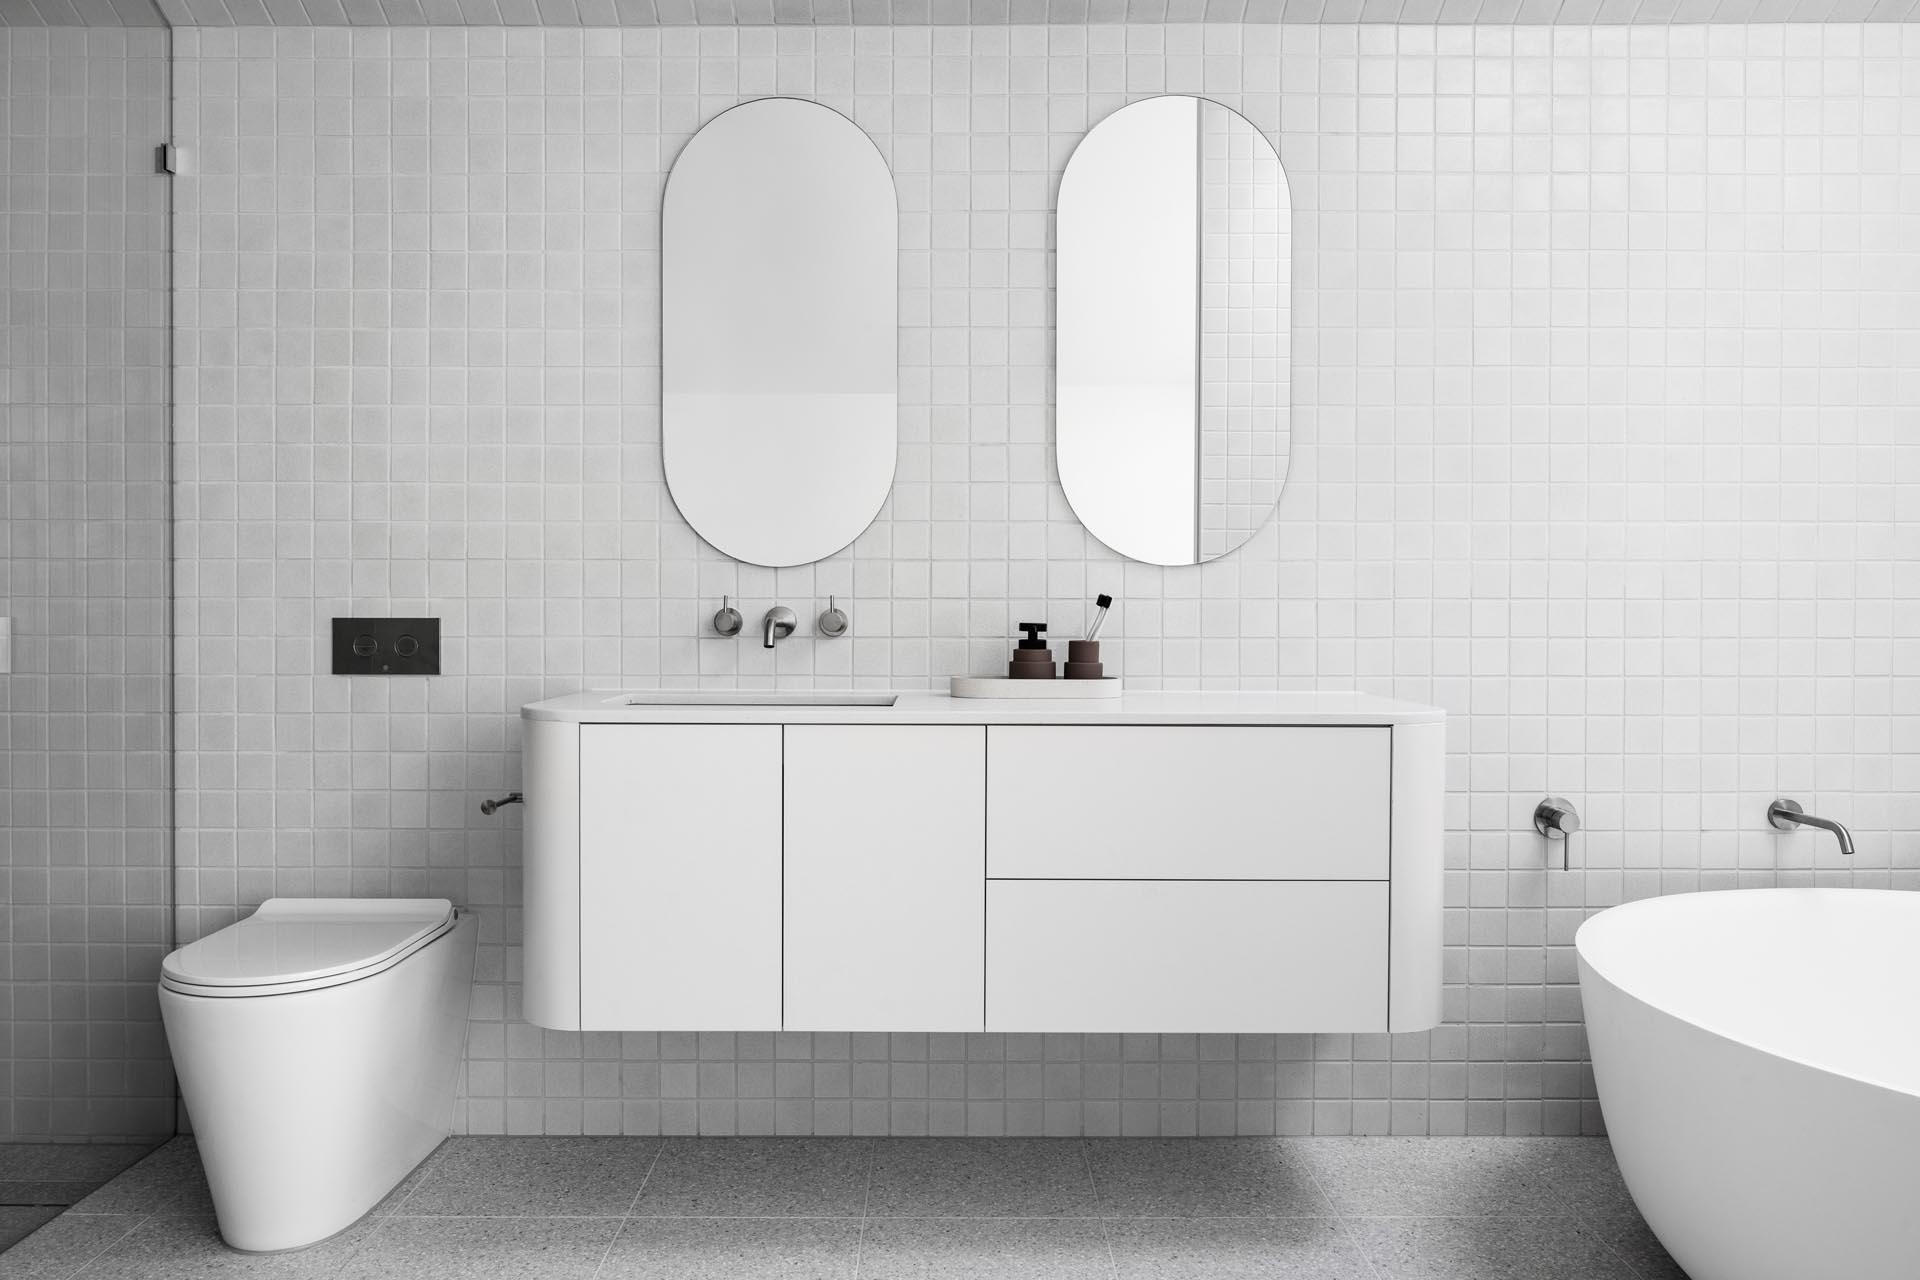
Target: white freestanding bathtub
x,y
1758,1058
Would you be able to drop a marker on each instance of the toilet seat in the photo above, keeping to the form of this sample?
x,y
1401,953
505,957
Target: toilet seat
x,y
304,944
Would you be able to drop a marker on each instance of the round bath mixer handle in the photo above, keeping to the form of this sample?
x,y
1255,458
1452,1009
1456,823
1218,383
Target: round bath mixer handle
x,y
1557,819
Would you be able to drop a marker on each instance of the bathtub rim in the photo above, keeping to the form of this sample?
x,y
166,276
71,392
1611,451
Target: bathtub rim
x,y
1586,940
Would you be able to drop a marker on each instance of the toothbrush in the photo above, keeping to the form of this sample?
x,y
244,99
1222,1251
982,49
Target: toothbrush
x,y
1104,603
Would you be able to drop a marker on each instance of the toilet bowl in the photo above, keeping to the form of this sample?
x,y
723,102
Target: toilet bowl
x,y
318,1046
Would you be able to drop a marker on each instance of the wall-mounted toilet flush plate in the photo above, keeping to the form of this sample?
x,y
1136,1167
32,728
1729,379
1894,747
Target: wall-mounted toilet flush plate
x,y
386,646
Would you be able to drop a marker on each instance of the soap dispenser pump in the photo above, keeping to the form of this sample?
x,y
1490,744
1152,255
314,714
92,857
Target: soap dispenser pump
x,y
1032,660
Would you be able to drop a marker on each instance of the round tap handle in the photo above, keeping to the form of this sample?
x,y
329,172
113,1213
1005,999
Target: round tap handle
x,y
1555,818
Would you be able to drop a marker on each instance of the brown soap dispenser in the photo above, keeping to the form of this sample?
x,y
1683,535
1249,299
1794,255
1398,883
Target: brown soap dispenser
x,y
1032,660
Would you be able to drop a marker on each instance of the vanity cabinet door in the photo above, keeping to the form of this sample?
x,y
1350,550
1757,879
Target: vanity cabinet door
x,y
680,877
886,867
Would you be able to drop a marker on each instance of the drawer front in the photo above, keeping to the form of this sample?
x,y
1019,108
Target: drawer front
x,y
1116,956
1138,802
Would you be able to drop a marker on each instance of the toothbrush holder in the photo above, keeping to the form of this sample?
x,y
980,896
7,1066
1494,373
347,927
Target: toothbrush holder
x,y
1083,660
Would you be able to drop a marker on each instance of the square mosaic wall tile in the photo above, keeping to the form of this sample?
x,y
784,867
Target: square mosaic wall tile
x,y
1601,362
83,576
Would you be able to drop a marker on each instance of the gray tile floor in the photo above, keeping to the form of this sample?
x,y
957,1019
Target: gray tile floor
x,y
891,1209
40,1179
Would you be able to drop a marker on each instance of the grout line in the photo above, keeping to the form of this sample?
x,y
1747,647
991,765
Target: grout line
x,y
1344,1226
866,1203
1605,1236
1341,1220
1106,1228
427,1169
632,1204
651,1166
1126,1217
975,1217
374,1227
962,1217
81,1267
509,1217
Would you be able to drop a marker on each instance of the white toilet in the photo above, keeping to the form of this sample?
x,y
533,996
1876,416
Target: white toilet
x,y
318,1045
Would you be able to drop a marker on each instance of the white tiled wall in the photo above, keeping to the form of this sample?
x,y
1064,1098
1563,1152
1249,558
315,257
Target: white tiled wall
x,y
83,723
1603,351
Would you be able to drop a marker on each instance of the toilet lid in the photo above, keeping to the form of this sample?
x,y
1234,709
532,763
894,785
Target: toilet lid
x,y
307,940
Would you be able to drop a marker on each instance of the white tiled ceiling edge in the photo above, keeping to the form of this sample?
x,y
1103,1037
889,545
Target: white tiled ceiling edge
x,y
80,13
908,13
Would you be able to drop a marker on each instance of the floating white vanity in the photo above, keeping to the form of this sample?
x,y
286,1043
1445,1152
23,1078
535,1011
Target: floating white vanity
x,y
1159,862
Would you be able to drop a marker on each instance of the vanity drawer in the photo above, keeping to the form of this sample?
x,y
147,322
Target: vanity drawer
x,y
1107,955
1139,802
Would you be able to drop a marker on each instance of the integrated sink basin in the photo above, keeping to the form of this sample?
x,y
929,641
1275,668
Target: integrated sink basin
x,y
756,698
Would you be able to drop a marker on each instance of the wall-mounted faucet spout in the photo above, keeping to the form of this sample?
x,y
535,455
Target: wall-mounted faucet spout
x,y
1785,815
777,625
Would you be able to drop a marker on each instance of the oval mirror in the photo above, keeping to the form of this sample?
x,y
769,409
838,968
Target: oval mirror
x,y
1174,321
779,383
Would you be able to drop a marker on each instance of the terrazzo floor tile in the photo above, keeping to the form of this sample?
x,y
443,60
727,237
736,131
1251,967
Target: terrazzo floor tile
x,y
47,1193
93,1162
64,1245
981,1178
562,1177
1479,1248
1481,1177
404,1189
188,1247
984,1249
17,1222
60,1173
1644,1252
1179,1177
758,1177
482,1249
167,1181
734,1249
1585,1176
1236,1249
1231,1209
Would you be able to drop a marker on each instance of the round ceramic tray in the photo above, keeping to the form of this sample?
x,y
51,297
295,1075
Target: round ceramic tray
x,y
1002,687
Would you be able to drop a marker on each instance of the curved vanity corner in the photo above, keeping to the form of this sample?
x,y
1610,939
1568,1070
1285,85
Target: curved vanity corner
x,y
1158,862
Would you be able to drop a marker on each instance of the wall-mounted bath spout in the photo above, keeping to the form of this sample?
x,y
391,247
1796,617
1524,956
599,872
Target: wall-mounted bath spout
x,y
1785,815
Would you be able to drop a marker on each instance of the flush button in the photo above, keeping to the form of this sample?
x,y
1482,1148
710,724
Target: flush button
x,y
386,646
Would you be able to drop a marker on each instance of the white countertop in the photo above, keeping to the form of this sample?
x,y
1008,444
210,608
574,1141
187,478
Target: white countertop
x,y
1250,708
